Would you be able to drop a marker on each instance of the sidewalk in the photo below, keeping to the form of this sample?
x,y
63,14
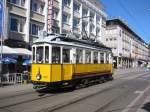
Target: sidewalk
x,y
15,89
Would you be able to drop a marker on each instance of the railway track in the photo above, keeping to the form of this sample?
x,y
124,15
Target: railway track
x,y
76,100
57,107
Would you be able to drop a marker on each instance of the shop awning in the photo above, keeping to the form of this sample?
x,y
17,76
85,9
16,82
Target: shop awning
x,y
7,50
15,51
23,51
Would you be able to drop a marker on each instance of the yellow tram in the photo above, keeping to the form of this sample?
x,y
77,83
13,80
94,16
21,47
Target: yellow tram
x,y
59,60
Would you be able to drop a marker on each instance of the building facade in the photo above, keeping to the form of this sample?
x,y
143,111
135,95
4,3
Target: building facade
x,y
128,48
25,18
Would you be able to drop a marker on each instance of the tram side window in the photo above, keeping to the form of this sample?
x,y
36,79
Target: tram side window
x,y
39,54
102,57
46,54
95,57
107,58
33,55
88,57
79,58
66,55
55,54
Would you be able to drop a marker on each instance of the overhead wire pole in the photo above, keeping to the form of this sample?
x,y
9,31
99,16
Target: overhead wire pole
x,y
2,24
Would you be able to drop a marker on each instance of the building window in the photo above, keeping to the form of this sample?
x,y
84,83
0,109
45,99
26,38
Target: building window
x,y
34,29
67,2
22,2
65,18
17,2
34,7
84,27
55,14
14,24
41,9
85,12
76,7
91,28
75,22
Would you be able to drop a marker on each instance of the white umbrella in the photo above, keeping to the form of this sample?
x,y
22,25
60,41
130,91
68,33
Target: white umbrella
x,y
23,51
8,50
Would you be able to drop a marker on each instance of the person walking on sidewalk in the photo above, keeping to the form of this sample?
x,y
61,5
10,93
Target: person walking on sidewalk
x,y
148,67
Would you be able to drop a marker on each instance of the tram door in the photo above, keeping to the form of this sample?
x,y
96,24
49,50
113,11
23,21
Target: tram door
x,y
61,66
56,72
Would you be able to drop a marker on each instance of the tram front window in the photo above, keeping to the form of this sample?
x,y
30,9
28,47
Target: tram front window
x,y
39,55
33,54
55,54
46,54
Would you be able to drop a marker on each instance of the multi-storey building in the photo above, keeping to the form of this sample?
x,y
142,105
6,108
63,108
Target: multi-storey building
x,y
128,48
25,18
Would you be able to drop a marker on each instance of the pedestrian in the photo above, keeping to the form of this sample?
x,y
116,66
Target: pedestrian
x,y
148,67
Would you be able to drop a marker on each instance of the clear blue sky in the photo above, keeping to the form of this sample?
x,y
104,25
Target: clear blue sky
x,y
135,12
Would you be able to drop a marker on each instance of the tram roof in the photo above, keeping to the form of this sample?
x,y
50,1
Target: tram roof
x,y
52,38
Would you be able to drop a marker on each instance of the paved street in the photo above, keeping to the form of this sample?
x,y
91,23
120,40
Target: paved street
x,y
128,92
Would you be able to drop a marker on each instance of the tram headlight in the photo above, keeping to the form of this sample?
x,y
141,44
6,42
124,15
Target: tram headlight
x,y
38,76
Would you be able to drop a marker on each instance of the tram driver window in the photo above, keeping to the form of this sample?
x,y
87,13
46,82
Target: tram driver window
x,y
46,54
88,57
102,57
39,54
66,55
33,54
79,58
55,54
95,57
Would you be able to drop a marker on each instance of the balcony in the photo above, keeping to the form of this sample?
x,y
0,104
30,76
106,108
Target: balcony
x,y
66,9
55,23
76,30
17,10
37,17
42,1
33,38
76,14
85,20
66,26
56,4
16,36
92,36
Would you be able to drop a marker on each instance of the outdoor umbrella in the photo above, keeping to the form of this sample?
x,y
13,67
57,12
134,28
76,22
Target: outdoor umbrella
x,y
8,60
27,62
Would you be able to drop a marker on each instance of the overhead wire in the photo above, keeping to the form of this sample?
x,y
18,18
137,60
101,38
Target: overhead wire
x,y
130,15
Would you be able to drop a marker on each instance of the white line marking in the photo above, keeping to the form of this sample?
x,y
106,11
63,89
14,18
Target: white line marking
x,y
134,101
